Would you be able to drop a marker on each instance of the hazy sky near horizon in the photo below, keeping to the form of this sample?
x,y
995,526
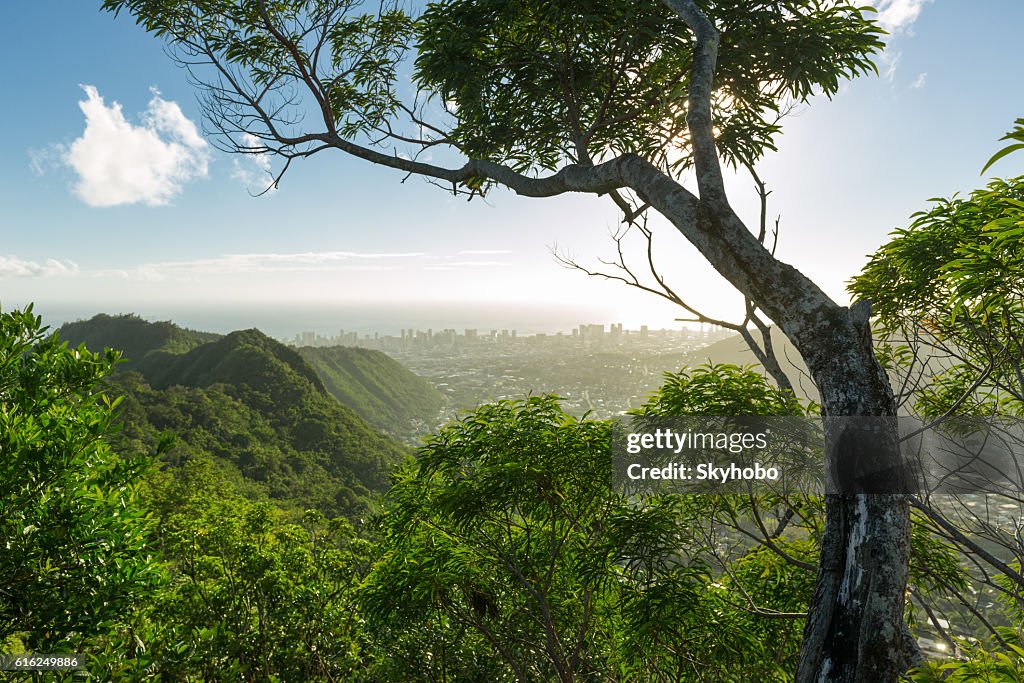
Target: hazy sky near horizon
x,y
111,198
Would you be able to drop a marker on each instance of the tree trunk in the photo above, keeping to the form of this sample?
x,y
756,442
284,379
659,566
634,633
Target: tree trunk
x,y
855,626
855,629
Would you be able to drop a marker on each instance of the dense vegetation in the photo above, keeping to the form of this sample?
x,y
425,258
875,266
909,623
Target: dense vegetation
x,y
501,554
74,535
251,406
141,343
380,389
501,551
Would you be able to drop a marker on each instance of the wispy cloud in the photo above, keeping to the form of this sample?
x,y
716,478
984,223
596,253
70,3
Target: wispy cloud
x,y
119,162
309,261
252,169
484,252
897,16
12,266
258,263
888,61
919,82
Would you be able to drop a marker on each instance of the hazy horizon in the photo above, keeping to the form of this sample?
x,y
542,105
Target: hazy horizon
x,y
282,320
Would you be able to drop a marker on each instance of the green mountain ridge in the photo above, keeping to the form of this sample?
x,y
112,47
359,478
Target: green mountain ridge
x,y
252,406
134,336
383,391
245,357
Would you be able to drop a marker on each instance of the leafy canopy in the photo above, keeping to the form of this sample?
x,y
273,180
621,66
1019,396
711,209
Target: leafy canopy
x,y
542,82
953,280
531,84
1017,135
75,546
508,540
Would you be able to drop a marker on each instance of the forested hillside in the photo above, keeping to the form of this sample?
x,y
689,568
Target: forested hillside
x,y
142,342
250,405
380,389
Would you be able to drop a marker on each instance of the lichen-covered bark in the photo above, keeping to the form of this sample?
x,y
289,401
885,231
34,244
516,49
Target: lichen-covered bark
x,y
855,629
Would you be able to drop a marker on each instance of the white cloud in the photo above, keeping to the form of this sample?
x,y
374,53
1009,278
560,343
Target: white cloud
x,y
12,266
897,16
919,82
252,169
297,262
47,159
309,261
484,252
888,61
118,162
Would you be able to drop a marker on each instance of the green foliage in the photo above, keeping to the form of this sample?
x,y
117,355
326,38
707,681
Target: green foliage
x,y
245,358
381,390
979,666
953,280
1017,134
378,388
135,337
254,406
249,595
760,591
507,550
312,453
75,541
504,552
960,257
499,530
360,56
533,84
723,390
949,297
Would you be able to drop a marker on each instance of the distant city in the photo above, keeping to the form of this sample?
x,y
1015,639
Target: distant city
x,y
586,334
601,370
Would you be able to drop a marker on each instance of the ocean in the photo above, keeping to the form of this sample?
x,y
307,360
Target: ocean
x,y
284,321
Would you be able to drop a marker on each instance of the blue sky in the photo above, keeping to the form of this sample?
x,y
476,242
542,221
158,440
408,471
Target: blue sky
x,y
180,228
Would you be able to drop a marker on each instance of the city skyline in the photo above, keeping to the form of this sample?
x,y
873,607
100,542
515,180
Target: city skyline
x,y
407,336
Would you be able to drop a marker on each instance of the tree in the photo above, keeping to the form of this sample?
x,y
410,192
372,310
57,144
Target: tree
x,y
953,306
501,531
248,595
76,550
611,97
953,295
950,283
507,554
